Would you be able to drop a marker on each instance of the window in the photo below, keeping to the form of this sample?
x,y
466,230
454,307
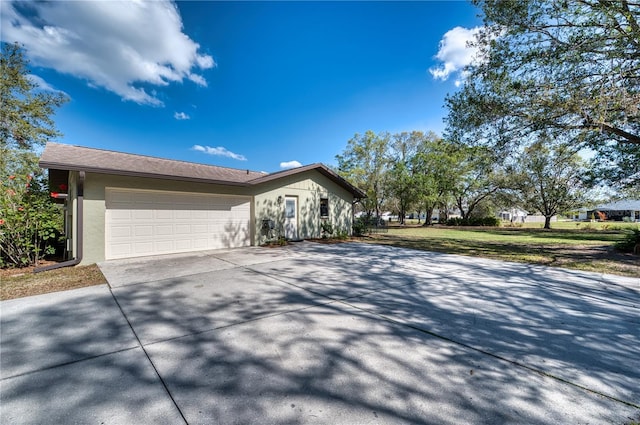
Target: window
x,y
290,208
324,207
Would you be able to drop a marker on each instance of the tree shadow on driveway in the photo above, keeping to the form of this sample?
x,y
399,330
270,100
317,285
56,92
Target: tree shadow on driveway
x,y
339,334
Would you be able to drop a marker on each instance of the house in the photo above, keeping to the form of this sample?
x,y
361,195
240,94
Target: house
x,y
627,210
513,215
120,205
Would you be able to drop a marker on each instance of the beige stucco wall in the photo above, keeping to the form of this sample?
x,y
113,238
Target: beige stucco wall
x,y
308,187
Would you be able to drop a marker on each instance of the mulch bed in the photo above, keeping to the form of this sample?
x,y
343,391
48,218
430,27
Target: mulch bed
x,y
17,271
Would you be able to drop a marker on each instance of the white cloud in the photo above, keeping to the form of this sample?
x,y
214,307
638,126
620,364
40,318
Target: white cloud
x,y
455,54
180,116
121,46
42,84
290,164
219,151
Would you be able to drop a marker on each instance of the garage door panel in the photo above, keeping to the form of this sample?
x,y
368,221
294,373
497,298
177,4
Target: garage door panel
x,y
143,230
163,230
121,250
164,214
121,231
184,245
199,228
182,229
182,215
121,214
199,215
140,223
200,244
142,214
162,247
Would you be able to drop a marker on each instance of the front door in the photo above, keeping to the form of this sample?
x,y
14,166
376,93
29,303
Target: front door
x,y
291,217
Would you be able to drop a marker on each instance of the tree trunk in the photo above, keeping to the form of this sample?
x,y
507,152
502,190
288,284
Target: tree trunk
x,y
427,217
547,222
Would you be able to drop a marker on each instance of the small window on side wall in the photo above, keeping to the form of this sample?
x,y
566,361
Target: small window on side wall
x,y
324,207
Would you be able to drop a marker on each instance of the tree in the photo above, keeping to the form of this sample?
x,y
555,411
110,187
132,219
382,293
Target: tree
x,y
478,178
29,221
548,179
435,174
401,183
25,116
550,69
364,163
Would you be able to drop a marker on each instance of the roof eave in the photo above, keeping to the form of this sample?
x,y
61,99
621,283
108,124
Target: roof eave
x,y
98,170
357,193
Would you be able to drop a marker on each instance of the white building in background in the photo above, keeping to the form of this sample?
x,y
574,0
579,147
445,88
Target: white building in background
x,y
513,215
627,210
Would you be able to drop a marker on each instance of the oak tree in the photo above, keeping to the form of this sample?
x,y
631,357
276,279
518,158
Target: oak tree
x,y
556,69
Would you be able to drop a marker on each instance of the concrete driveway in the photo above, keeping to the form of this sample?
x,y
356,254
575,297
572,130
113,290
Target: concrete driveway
x,y
311,333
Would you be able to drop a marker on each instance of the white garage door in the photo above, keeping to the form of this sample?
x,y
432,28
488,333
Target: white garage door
x,y
141,222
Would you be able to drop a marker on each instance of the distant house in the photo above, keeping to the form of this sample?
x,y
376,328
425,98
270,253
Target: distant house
x,y
628,210
120,205
513,215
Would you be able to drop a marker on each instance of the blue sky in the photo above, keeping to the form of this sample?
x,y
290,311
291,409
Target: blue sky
x,y
258,85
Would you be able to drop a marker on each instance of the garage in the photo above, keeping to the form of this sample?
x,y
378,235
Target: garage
x,y
145,222
121,205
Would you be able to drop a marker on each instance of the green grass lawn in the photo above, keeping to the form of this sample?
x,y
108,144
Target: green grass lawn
x,y
584,249
513,235
561,224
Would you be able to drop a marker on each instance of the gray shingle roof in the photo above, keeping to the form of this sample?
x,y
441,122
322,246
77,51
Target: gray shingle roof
x,y
68,157
59,156
626,205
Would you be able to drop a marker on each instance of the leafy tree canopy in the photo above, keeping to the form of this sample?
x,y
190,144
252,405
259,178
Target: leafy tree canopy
x,y
556,69
364,163
547,178
29,222
25,116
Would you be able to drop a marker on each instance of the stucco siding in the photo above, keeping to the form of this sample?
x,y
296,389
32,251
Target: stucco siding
x,y
308,188
95,205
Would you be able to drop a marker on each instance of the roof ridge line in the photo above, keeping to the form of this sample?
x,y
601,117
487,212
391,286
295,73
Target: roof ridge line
x,y
158,157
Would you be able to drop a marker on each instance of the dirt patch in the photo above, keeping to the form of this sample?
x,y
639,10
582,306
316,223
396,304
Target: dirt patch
x,y
596,258
588,257
25,270
17,283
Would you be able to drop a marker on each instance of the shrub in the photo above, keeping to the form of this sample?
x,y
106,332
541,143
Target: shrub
x,y
29,222
486,221
631,241
327,229
474,221
359,226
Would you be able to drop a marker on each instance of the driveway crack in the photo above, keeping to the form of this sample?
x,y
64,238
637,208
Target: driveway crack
x,y
155,369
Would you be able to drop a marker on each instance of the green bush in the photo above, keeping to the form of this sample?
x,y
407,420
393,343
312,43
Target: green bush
x,y
327,229
488,221
474,221
30,224
456,221
631,241
359,226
